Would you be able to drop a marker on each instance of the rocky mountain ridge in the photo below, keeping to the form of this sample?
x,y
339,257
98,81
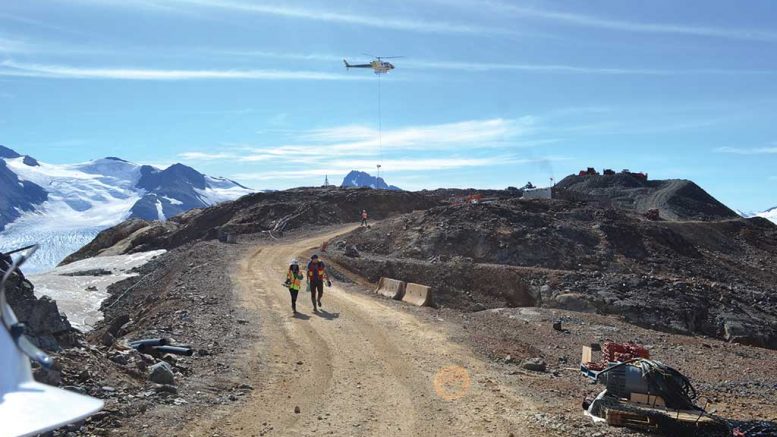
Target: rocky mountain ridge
x,y
365,180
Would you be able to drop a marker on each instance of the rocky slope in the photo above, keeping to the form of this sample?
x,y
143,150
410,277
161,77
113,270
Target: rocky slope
x,y
675,199
715,278
269,213
46,327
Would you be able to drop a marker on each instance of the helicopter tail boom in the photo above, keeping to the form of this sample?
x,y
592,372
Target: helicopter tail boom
x,y
347,65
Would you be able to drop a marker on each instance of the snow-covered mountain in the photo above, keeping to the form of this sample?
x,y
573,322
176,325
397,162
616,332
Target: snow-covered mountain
x,y
363,179
63,206
770,214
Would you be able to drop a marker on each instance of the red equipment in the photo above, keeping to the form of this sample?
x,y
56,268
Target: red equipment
x,y
613,352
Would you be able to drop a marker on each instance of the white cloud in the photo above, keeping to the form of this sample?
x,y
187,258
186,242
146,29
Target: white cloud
x,y
305,13
474,67
203,156
15,69
544,68
469,134
342,167
593,21
748,151
12,46
336,151
574,69
358,140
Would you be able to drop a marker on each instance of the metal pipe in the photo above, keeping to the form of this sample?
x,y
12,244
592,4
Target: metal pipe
x,y
176,350
148,342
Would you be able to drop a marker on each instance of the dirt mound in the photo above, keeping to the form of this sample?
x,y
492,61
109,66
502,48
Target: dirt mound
x,y
715,278
271,213
675,199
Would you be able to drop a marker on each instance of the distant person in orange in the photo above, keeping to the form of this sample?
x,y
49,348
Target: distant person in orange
x,y
364,217
316,278
293,280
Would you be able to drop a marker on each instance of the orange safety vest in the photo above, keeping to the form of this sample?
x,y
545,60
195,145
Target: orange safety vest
x,y
294,280
321,270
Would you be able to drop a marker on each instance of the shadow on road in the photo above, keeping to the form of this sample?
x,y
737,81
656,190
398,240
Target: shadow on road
x,y
327,315
301,316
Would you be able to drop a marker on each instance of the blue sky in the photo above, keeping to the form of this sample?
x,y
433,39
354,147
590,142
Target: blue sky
x,y
488,94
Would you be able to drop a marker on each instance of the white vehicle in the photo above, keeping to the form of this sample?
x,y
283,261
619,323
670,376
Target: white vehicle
x,y
28,407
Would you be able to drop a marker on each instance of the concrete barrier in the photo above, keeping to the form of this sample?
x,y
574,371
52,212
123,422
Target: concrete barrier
x,y
391,288
418,295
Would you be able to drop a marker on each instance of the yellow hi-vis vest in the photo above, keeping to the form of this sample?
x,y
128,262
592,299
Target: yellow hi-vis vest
x,y
294,280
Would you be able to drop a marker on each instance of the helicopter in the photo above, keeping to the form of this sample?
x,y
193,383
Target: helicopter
x,y
378,65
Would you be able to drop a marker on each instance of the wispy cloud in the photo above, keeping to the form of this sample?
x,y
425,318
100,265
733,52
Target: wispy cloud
x,y
37,23
358,140
575,69
593,21
314,14
204,156
772,150
15,69
342,167
9,46
474,67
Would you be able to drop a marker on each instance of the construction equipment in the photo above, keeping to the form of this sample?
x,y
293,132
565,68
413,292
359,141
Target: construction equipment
x,y
468,199
642,393
590,171
639,175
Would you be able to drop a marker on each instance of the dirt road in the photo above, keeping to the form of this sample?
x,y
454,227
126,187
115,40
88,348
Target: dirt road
x,y
360,367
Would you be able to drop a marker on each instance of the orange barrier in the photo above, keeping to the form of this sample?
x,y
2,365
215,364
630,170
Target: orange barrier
x,y
391,288
418,295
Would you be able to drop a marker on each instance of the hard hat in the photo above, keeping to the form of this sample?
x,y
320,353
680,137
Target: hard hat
x,y
28,407
294,262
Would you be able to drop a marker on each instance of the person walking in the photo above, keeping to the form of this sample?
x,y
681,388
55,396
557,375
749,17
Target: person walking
x,y
316,277
293,280
364,217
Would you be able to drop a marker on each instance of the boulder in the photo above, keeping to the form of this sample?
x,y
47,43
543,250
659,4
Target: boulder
x,y
573,302
737,331
161,373
352,252
535,364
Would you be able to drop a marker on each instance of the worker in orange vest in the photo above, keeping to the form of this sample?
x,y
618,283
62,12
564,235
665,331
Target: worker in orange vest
x,y
293,280
316,278
364,217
